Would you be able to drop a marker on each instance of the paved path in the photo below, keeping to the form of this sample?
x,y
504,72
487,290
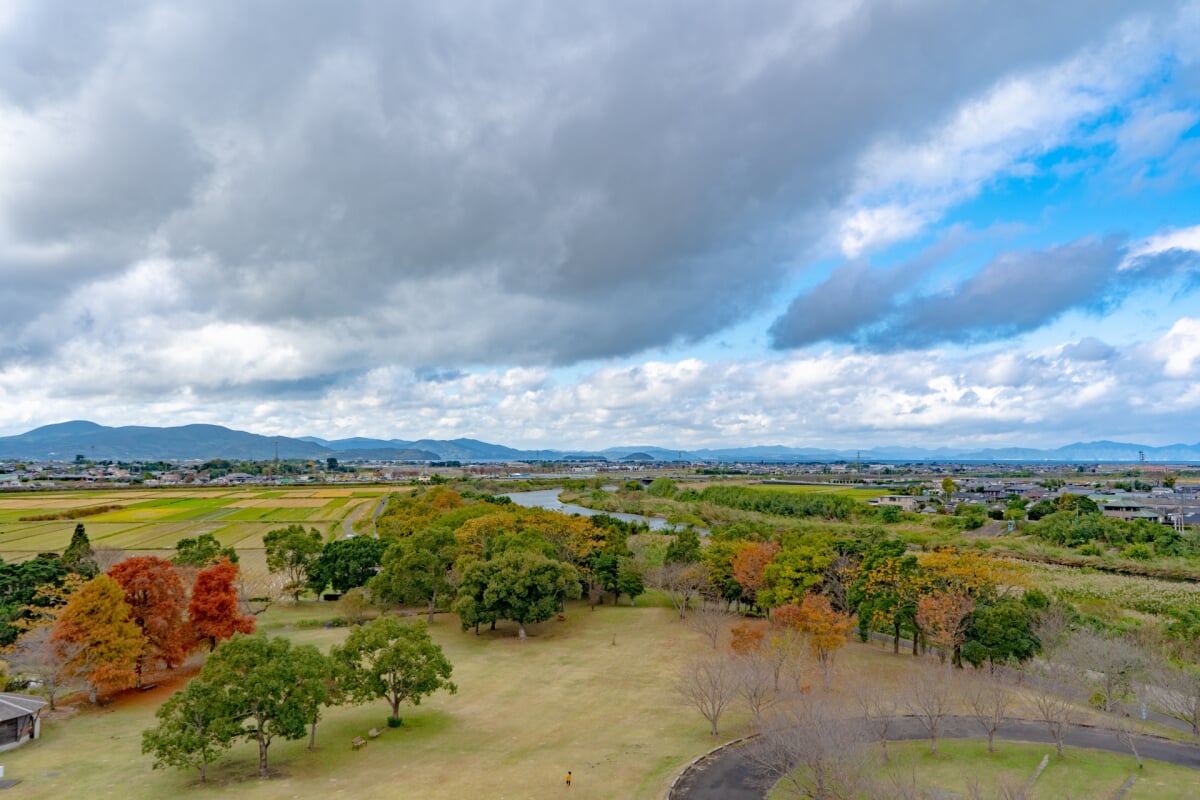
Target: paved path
x,y
348,522
726,775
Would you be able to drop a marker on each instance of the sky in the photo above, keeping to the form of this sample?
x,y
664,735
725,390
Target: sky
x,y
579,225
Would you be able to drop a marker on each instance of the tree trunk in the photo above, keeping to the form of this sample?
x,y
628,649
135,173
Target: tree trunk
x,y
262,756
432,605
991,740
312,736
896,639
92,693
521,630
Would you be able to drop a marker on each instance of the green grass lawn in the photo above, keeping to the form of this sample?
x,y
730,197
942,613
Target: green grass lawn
x,y
1079,774
590,694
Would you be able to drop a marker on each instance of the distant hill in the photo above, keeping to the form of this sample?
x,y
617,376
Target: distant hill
x,y
64,441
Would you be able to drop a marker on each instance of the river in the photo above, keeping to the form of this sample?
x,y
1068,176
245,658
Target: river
x,y
548,499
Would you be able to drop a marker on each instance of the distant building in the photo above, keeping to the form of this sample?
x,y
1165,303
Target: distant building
x,y
10,481
906,502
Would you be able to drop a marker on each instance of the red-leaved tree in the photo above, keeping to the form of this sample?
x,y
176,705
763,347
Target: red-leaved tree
x,y
214,611
158,602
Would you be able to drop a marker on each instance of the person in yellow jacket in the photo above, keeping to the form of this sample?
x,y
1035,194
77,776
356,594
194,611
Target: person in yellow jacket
x,y
568,778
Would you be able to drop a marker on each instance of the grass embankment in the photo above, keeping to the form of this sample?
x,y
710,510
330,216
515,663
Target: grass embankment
x,y
591,694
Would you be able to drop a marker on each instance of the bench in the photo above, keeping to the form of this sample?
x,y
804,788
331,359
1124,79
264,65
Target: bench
x,y
374,733
358,742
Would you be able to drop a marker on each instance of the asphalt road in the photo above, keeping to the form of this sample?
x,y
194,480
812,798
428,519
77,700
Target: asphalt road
x,y
726,775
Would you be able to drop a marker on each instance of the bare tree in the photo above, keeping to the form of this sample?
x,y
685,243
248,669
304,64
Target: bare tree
x,y
1052,628
1175,690
1051,703
709,684
786,652
1130,727
1109,664
258,590
108,557
709,621
755,683
36,656
681,583
808,752
878,706
988,702
929,699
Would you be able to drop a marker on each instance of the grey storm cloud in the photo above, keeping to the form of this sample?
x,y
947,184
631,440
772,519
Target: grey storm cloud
x,y
461,183
1015,292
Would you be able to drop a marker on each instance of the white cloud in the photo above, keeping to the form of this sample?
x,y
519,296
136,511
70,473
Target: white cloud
x,y
904,184
1179,349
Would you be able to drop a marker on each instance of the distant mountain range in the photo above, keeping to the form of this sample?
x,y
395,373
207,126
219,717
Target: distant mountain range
x,y
66,440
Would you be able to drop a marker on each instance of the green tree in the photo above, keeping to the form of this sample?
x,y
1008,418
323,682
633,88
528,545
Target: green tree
x,y
684,548
19,595
345,563
331,464
520,586
1000,632
474,576
1076,502
267,686
390,659
78,557
629,581
193,728
417,569
201,551
291,551
796,570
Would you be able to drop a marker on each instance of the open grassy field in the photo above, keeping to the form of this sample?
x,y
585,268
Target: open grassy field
x,y
590,694
150,521
1079,774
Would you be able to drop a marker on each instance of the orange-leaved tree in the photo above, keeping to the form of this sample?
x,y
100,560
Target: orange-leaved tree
x,y
95,631
943,618
825,628
157,598
749,567
214,612
747,637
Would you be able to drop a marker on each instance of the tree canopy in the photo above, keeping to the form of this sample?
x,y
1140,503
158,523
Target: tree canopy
x,y
394,660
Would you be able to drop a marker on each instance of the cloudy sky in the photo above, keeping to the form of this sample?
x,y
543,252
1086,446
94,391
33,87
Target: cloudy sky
x,y
826,223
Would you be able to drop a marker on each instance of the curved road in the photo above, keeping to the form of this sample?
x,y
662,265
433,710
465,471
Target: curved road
x,y
726,775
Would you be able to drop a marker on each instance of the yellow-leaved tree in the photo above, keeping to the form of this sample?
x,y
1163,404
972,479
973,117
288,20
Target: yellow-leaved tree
x,y
96,630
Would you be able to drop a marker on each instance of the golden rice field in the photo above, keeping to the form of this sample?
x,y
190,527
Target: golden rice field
x,y
154,520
